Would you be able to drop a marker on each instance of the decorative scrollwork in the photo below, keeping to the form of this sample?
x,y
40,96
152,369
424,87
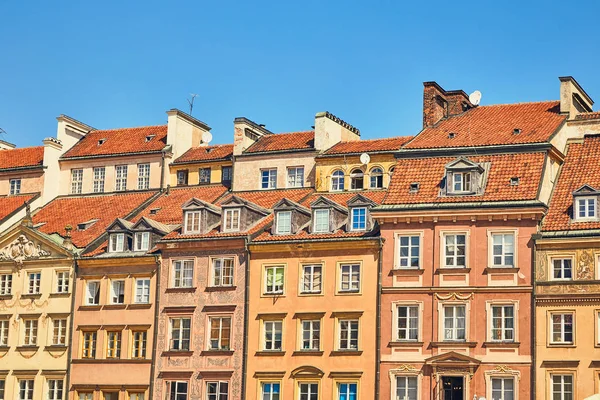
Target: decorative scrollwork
x,y
585,266
454,296
22,249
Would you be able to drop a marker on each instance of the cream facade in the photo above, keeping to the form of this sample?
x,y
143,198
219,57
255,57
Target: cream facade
x,y
377,174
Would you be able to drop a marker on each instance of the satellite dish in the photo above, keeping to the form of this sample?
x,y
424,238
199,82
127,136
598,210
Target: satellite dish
x,y
365,158
206,137
475,98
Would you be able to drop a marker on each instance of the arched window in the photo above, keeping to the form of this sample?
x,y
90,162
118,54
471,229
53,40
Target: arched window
x,y
391,171
376,175
357,179
337,181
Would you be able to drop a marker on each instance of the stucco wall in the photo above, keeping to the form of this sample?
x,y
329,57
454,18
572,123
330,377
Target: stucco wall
x,y
246,173
31,182
194,174
327,166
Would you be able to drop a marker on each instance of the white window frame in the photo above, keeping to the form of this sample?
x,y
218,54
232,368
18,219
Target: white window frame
x,y
586,207
310,389
63,281
178,387
355,175
374,176
143,176
88,285
492,234
311,281
318,225
182,177
295,177
408,379
113,344
182,268
204,176
15,186
120,178
337,181
399,258
26,389
117,289
59,331
219,394
142,290
354,285
349,329
445,235
455,319
220,346
4,332
220,279
141,241
116,243
196,216
562,384
562,268
312,326
465,182
30,331
231,219
503,322
99,177
76,181
408,319
270,326
271,178
6,281
503,380
180,333
273,288
353,227
34,282
278,228
563,331
55,389
272,394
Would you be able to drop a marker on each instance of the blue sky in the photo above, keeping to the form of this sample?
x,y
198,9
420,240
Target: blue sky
x,y
124,63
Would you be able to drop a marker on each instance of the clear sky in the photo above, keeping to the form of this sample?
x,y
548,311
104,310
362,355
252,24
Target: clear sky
x,y
124,63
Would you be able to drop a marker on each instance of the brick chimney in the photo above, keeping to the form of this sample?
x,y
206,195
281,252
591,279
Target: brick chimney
x,y
439,103
573,99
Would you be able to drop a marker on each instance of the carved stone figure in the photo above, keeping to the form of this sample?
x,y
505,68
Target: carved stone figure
x,y
585,265
22,249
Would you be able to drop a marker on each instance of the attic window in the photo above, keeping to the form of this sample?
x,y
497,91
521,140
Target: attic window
x,y
86,225
149,137
451,135
116,242
154,211
414,187
101,141
516,131
586,207
192,222
514,181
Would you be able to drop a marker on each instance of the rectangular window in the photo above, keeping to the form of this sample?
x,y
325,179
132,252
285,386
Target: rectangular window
x,y
136,395
347,391
204,176
5,284
117,292
93,293
142,290
359,218
35,279
220,331
455,250
348,334
113,344
117,242
59,332
562,269
408,322
586,207
562,387
89,345
55,389
226,174
180,333
309,391
25,389
321,223
454,322
311,278
311,335
350,278
295,177
284,222
562,328
15,186
62,282
3,334
76,181
273,334
270,391
178,390
143,176
232,220
503,324
85,395
406,387
503,388
461,182
120,178
182,177
139,344
409,251
274,278
268,178
192,221
99,174
183,273
503,249
141,241
222,271
217,390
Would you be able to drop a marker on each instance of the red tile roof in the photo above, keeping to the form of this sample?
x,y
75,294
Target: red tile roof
x,y
74,210
429,172
10,204
342,198
268,198
580,167
120,141
22,157
588,115
205,153
283,142
493,125
374,145
168,207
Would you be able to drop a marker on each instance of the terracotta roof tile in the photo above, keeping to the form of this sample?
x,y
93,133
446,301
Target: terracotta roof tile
x,y
268,198
579,168
342,198
588,115
22,157
120,141
283,142
374,145
206,153
75,210
493,125
430,171
10,204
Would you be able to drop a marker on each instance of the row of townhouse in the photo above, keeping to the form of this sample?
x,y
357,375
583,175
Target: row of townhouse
x,y
462,262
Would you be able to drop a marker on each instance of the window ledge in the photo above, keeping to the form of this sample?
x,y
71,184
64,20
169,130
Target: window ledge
x,y
216,353
6,297
31,296
58,295
139,306
114,306
269,353
501,270
27,348
562,345
55,347
220,288
180,290
406,271
453,344
447,270
405,343
501,344
307,353
338,353
4,348
90,307
177,353
111,361
348,292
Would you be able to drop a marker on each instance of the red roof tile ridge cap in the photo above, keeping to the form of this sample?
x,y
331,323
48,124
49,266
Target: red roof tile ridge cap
x,y
288,133
128,127
517,104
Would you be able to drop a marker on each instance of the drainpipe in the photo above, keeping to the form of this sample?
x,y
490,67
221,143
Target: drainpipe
x,y
433,384
533,321
378,323
246,315
158,260
71,323
162,167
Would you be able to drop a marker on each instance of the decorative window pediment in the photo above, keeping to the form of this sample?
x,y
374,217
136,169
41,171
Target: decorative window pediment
x,y
463,177
585,203
199,216
239,214
290,217
119,236
359,216
327,215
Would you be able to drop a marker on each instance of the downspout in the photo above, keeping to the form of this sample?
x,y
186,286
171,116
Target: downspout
x,y
533,323
158,260
378,321
71,323
432,382
162,175
246,314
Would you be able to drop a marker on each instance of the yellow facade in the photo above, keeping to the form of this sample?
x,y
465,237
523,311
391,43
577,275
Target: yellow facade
x,y
193,170
575,355
327,166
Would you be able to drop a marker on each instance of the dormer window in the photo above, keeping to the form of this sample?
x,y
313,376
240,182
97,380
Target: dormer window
x,y
141,241
461,182
232,220
359,218
321,221
586,207
117,242
464,177
192,222
284,223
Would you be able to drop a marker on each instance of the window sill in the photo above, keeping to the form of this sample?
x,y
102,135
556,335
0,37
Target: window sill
x,y
405,343
220,288
58,295
307,353
4,348
114,307
406,271
501,344
90,308
216,353
270,353
562,345
177,353
501,270
454,344
139,306
111,361
273,294
337,353
56,347
305,294
31,296
6,297
27,348
180,290
447,270
348,292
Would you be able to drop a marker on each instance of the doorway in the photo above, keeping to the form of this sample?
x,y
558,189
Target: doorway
x,y
452,387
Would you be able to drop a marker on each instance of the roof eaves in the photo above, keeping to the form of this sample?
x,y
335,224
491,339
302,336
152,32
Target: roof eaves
x,y
441,206
473,150
267,152
137,153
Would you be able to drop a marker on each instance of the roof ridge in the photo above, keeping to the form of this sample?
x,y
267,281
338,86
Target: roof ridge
x,y
514,104
129,127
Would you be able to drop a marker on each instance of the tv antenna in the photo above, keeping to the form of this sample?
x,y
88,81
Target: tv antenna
x,y
2,131
191,102
475,98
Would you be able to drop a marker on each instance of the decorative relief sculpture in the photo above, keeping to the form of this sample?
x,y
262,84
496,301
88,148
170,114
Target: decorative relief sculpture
x,y
541,266
585,266
454,296
22,249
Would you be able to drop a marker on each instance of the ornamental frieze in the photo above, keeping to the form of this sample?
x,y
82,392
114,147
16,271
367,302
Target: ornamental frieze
x,y
22,249
585,266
